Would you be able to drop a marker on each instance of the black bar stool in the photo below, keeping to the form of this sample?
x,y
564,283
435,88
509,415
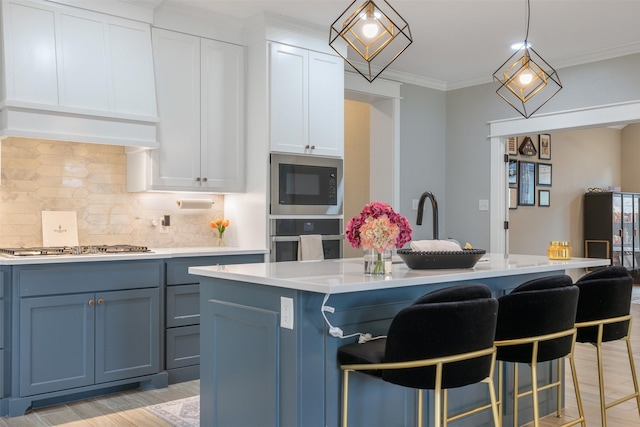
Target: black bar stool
x,y
443,340
603,316
536,324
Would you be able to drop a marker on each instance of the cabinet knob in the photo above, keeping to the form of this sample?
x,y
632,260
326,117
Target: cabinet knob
x,y
92,302
100,301
306,147
313,147
198,179
204,179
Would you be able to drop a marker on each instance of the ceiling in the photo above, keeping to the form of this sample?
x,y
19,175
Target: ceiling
x,y
458,43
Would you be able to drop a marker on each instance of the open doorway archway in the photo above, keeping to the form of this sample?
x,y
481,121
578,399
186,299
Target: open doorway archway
x,y
371,172
598,116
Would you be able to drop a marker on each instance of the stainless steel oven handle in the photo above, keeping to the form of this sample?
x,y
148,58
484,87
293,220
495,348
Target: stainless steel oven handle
x,y
297,238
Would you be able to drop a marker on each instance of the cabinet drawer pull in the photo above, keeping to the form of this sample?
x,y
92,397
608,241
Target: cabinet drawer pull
x,y
198,179
100,301
91,302
204,179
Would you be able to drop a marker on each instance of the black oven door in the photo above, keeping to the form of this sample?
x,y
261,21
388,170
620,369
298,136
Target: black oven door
x,y
286,232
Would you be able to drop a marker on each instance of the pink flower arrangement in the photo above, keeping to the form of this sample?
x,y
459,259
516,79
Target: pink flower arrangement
x,y
378,227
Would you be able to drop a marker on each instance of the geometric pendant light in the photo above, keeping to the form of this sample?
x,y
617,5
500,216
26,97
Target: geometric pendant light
x,y
525,80
375,35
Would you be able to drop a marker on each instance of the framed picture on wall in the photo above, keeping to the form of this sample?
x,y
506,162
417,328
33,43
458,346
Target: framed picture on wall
x,y
513,173
512,146
544,198
544,147
513,198
526,183
544,174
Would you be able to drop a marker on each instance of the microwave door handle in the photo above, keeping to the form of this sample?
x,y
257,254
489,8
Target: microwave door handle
x,y
297,238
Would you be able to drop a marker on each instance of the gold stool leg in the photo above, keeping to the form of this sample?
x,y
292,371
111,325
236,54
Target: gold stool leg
x,y
633,372
534,392
419,420
500,391
345,398
603,408
445,405
559,394
515,394
574,375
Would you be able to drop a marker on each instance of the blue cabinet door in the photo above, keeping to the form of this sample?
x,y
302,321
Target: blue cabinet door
x,y
56,343
127,334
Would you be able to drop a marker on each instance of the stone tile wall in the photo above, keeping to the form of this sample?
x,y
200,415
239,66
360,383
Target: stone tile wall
x,y
90,179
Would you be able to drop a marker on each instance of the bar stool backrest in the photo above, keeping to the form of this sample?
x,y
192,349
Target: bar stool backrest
x,y
449,321
537,307
604,294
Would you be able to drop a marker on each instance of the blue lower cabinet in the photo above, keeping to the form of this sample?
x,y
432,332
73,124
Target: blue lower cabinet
x,y
182,315
84,329
83,339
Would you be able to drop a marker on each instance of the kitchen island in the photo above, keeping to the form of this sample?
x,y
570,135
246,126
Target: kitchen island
x,y
268,359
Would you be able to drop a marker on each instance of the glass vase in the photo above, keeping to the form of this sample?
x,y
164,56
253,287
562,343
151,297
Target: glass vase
x,y
377,263
221,242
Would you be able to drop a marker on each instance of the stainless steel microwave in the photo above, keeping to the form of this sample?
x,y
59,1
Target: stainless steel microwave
x,y
306,185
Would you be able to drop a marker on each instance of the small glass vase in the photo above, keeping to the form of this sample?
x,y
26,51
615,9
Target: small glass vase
x,y
221,242
377,263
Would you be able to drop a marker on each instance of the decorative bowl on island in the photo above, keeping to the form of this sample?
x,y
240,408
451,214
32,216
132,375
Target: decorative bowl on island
x,y
422,260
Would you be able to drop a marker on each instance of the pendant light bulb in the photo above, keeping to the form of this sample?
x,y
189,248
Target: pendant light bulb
x,y
370,30
525,78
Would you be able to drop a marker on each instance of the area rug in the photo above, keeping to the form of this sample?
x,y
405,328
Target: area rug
x,y
180,413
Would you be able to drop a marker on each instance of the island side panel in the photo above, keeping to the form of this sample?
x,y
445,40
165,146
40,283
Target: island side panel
x,y
253,372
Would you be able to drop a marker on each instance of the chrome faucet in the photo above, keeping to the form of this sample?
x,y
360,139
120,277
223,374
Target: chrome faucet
x,y
434,207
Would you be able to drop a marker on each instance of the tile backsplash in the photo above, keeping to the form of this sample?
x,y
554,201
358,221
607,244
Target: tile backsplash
x,y
43,175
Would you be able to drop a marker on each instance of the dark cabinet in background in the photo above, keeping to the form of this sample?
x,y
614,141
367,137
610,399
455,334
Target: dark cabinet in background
x,y
611,228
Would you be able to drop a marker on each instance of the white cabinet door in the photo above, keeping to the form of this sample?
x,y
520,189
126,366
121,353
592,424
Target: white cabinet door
x,y
306,101
130,67
222,115
289,91
82,68
176,164
326,104
30,44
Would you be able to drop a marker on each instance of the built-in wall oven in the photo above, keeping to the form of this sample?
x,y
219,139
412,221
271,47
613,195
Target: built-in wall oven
x,y
306,185
306,198
286,232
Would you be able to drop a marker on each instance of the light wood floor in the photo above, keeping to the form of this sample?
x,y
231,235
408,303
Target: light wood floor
x,y
117,410
126,409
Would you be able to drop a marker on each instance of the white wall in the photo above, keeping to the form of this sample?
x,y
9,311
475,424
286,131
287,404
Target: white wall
x,y
423,160
631,158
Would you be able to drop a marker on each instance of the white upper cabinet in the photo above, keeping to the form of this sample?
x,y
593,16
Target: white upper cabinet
x,y
200,87
81,66
306,95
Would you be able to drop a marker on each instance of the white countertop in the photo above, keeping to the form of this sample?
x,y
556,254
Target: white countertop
x,y
156,253
346,275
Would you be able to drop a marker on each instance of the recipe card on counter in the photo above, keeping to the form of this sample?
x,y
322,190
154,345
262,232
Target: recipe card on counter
x,y
59,228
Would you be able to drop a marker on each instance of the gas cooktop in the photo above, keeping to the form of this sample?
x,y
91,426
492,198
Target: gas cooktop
x,y
74,250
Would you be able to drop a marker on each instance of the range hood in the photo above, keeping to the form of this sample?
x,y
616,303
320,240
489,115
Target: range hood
x,y
77,125
82,76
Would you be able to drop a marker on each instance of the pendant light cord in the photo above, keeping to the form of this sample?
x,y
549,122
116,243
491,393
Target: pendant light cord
x,y
528,19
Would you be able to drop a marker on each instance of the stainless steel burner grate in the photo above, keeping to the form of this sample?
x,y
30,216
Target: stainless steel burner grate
x,y
74,250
